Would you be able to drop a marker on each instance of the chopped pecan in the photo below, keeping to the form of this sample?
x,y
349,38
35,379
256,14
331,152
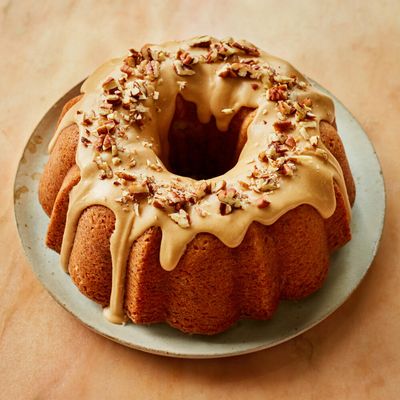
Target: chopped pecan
x,y
110,85
225,209
126,176
102,130
290,141
283,126
105,108
85,141
203,188
262,202
231,197
286,170
186,58
155,166
153,69
138,188
86,120
127,69
307,124
158,204
277,93
227,72
116,161
211,56
240,69
285,107
105,170
182,70
246,47
146,53
220,185
244,185
283,79
107,142
181,218
136,57
113,99
200,41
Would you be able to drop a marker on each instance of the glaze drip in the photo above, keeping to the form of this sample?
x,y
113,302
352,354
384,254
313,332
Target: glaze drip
x,y
124,118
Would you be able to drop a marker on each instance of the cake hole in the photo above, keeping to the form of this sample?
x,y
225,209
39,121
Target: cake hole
x,y
201,151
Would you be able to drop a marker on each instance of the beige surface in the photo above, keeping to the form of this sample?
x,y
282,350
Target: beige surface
x,y
354,51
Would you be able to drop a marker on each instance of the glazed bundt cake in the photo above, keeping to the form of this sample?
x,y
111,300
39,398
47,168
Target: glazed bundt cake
x,y
197,183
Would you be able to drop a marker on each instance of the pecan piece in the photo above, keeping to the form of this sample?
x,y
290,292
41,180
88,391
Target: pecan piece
x,y
230,197
262,202
153,69
246,47
102,130
220,185
138,188
107,143
127,69
283,126
286,170
277,93
113,99
146,53
85,141
201,41
290,141
136,56
225,209
182,70
181,218
127,177
110,85
285,108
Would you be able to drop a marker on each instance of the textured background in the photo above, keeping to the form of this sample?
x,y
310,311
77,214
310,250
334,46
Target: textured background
x,y
351,48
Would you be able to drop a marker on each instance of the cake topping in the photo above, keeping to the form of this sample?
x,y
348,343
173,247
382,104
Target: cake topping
x,y
123,119
125,102
262,202
181,218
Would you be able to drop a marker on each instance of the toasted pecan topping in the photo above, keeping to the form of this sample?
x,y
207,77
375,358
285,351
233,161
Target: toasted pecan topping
x,y
201,41
181,69
283,126
126,176
262,202
130,99
85,141
246,46
277,93
181,218
225,209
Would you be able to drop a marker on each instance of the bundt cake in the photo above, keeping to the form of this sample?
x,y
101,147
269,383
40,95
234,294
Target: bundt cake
x,y
197,183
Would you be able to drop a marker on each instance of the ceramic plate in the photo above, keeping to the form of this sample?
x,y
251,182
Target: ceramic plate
x,y
349,265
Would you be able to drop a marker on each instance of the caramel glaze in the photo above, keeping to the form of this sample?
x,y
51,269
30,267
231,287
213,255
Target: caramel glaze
x,y
312,182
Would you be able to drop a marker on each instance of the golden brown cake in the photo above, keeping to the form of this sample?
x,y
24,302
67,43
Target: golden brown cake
x,y
197,183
